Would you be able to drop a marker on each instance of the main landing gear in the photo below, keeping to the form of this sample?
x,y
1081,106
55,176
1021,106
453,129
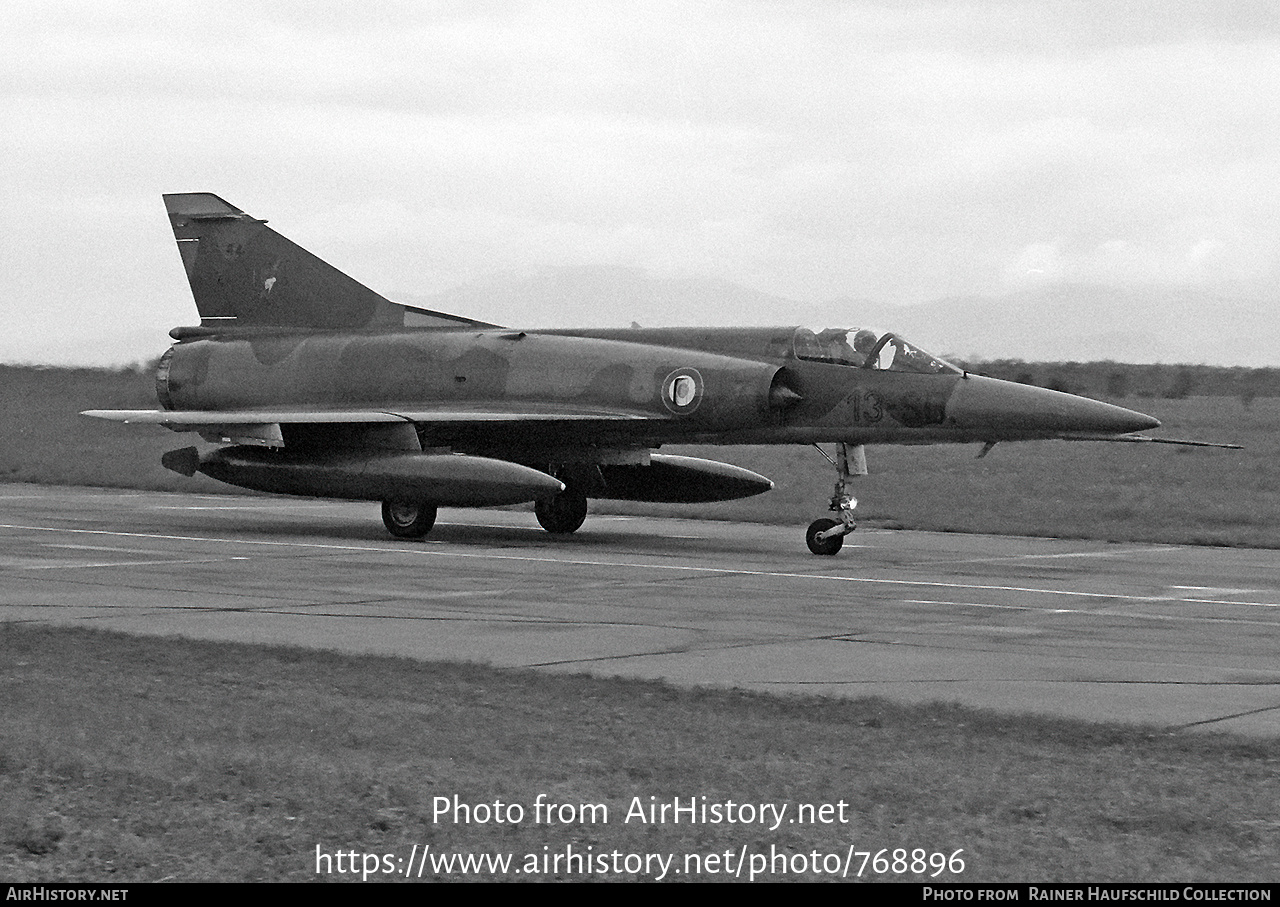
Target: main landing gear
x,y
564,513
408,519
826,536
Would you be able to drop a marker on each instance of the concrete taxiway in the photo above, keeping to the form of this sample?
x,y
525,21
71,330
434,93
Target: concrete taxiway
x,y
1172,636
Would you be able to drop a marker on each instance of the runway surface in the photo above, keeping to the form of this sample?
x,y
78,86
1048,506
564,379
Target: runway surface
x,y
1178,637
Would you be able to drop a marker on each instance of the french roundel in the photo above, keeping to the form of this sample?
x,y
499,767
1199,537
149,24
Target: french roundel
x,y
682,391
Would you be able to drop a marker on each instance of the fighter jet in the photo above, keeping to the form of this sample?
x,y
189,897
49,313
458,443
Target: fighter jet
x,y
320,386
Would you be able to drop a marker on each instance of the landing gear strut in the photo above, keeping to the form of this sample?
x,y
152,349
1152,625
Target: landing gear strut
x,y
826,536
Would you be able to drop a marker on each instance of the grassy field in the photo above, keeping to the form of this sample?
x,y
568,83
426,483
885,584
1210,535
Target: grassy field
x,y
1087,490
127,759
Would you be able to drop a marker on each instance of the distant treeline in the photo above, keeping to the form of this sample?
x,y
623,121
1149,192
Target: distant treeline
x,y
1118,379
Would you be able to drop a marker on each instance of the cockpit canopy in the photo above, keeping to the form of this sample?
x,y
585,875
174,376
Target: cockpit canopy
x,y
865,348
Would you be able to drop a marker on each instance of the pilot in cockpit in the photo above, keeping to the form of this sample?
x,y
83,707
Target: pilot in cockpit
x,y
863,343
836,347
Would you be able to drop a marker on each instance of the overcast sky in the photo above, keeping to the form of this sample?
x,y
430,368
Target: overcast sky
x,y
893,151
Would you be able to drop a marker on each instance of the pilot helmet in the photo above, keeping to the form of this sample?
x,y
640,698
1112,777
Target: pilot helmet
x,y
864,340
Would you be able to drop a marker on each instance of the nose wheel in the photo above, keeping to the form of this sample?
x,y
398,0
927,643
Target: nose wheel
x,y
820,539
826,536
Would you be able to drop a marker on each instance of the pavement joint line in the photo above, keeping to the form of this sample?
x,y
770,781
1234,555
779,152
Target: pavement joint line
x,y
117,548
696,649
691,648
426,618
1109,612
152,563
726,571
599,658
95,583
930,601
1190,724
1104,612
205,507
108,611
1025,557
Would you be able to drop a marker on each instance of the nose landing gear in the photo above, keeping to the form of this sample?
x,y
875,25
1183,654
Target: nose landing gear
x,y
826,536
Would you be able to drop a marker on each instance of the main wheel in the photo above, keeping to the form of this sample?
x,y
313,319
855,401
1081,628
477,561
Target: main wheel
x,y
408,519
823,546
562,514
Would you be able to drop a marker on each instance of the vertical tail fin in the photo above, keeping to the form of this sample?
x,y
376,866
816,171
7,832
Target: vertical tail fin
x,y
244,274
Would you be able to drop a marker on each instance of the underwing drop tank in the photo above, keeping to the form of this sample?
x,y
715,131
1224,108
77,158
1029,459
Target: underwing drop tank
x,y
445,479
680,480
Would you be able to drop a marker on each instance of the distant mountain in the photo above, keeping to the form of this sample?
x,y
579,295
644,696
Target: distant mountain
x,y
605,297
1059,323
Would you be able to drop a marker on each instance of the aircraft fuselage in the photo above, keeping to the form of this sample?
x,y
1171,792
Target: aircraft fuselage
x,y
737,386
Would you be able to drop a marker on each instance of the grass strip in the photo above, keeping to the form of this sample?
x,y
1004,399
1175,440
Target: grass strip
x,y
125,758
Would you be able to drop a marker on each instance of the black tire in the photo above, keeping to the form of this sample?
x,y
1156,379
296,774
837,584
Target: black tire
x,y
823,546
408,519
562,514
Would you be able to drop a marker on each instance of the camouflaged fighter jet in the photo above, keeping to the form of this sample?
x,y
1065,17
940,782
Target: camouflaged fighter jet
x,y
322,387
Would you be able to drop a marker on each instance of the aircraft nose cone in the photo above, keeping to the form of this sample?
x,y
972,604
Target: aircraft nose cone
x,y
1019,410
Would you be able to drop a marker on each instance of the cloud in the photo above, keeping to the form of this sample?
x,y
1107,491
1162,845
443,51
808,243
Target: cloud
x,y
898,151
